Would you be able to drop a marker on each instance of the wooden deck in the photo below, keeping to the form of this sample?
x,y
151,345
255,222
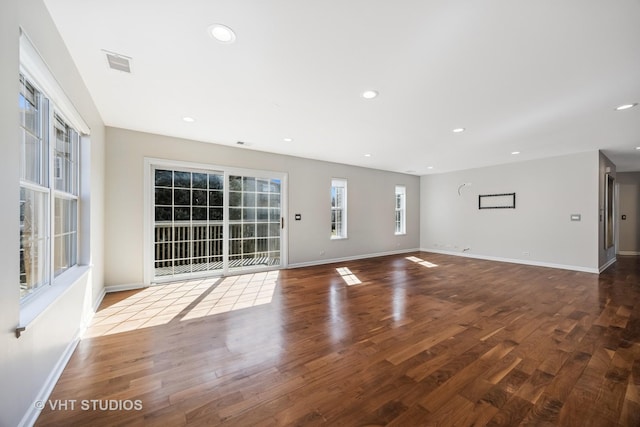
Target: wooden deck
x,y
451,342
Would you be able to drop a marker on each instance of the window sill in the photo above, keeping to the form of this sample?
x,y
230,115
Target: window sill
x,y
31,310
401,234
338,238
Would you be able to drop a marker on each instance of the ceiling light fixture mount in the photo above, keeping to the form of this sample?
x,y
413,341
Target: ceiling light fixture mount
x,y
515,152
370,94
458,130
188,119
626,106
222,33
287,139
367,155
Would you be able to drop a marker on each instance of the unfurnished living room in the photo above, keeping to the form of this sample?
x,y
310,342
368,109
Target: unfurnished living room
x,y
341,213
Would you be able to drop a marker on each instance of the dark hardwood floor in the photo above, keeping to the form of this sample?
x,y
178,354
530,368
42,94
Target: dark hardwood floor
x,y
463,343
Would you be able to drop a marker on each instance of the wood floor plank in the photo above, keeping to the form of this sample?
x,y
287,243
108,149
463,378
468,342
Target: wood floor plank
x,y
467,343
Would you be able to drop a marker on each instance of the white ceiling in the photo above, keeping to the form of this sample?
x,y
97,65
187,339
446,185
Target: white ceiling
x,y
541,77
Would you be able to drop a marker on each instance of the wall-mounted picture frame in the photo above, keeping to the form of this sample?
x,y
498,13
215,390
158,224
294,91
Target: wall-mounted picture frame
x,y
497,201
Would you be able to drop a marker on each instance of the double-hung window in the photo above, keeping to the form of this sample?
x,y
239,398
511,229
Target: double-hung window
x,y
401,212
34,189
338,209
65,219
48,190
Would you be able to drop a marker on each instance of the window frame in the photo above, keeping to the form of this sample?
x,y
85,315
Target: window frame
x,y
36,185
54,102
400,210
48,116
341,230
71,194
151,164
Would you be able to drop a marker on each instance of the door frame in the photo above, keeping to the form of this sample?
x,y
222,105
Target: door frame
x,y
148,195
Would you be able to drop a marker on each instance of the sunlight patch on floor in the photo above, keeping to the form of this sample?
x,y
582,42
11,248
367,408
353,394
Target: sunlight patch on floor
x,y
160,304
235,293
349,278
152,306
421,262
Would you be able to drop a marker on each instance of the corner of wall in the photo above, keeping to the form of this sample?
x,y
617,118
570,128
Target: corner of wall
x,y
606,213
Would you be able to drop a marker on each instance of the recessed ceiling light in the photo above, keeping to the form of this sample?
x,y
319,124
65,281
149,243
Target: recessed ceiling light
x,y
369,94
288,139
222,33
458,130
429,167
515,152
189,119
367,155
626,106
637,148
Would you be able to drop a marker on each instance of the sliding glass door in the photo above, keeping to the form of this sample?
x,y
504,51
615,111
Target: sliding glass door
x,y
254,222
214,222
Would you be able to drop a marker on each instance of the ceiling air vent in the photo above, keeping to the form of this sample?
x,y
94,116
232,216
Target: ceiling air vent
x,y
118,62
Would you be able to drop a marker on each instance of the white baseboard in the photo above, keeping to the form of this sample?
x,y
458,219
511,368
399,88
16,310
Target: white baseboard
x,y
127,287
134,286
87,320
29,419
607,265
630,253
98,300
515,261
350,258
33,413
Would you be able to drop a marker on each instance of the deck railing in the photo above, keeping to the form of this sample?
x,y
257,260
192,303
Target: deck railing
x,y
192,246
186,243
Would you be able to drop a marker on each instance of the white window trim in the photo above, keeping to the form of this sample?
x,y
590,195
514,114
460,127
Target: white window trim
x,y
341,182
148,197
36,71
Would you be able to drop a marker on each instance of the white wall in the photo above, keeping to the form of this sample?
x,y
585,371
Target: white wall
x,y
370,201
27,362
629,229
9,218
538,231
605,256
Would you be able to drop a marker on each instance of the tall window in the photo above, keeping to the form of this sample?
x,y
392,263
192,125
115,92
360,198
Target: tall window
x,y
48,190
338,209
34,192
401,212
65,174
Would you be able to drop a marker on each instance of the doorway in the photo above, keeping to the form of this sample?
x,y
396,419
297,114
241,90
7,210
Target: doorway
x,y
212,221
